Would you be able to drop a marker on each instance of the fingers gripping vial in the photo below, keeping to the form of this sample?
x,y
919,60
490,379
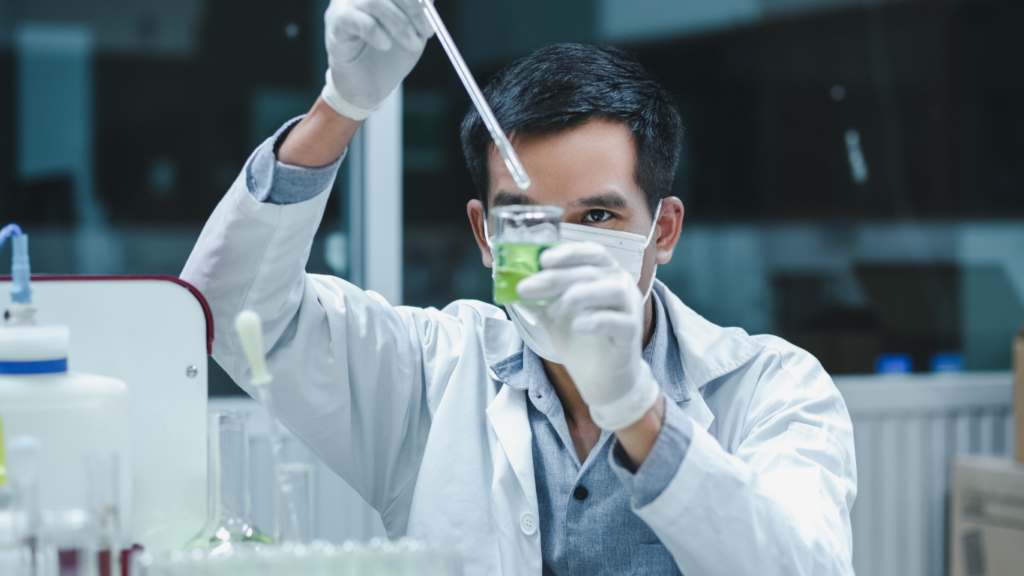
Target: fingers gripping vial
x,y
584,310
595,325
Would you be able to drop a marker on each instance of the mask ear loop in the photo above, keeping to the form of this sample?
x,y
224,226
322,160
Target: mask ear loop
x,y
650,235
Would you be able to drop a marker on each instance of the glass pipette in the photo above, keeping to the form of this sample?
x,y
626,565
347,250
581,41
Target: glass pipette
x,y
515,167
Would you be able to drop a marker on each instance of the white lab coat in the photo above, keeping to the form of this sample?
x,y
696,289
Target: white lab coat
x,y
402,404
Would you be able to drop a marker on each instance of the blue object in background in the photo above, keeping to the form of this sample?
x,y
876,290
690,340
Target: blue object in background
x,y
21,270
894,364
947,362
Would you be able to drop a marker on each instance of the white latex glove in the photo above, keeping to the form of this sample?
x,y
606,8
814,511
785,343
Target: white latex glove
x,y
372,45
596,321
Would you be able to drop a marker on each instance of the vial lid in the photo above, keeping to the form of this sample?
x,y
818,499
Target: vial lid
x,y
34,349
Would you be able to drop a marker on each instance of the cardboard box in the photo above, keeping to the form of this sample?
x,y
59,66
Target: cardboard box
x,y
987,527
1018,393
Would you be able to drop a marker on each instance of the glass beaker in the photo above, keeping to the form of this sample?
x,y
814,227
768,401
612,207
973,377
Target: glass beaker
x,y
293,502
521,233
228,507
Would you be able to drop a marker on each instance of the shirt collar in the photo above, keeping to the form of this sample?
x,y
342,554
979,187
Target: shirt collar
x,y
662,353
524,370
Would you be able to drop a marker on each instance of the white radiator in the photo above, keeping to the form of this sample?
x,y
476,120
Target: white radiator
x,y
907,431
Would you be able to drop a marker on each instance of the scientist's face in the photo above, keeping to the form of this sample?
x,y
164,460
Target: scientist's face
x,y
587,171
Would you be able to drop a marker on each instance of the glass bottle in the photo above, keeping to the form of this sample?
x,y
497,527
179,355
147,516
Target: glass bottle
x,y
229,511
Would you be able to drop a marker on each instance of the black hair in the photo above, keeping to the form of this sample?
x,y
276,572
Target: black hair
x,y
563,86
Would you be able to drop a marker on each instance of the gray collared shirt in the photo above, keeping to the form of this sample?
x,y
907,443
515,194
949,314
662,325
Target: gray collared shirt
x,y
591,531
587,525
275,182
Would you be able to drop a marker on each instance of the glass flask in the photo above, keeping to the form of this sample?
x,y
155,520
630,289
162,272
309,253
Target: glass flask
x,y
229,511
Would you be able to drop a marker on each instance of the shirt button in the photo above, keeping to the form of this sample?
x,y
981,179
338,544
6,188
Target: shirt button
x,y
580,493
528,522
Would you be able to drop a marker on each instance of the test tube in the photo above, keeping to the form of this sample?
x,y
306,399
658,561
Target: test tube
x,y
26,520
67,543
102,475
293,503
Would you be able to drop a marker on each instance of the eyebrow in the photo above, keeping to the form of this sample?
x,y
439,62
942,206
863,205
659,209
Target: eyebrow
x,y
614,201
509,198
602,201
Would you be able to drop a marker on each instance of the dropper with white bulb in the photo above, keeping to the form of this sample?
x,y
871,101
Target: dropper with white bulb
x,y
249,328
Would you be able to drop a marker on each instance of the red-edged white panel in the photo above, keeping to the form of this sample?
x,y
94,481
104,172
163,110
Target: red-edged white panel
x,y
154,334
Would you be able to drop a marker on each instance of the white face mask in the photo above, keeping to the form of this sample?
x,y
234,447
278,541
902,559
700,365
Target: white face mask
x,y
627,248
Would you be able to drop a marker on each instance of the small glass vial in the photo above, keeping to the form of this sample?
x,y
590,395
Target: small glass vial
x,y
521,233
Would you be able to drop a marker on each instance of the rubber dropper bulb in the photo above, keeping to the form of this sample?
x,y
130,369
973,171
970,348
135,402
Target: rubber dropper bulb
x,y
250,334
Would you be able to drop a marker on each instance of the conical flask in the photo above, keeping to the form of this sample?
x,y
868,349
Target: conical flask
x,y
229,510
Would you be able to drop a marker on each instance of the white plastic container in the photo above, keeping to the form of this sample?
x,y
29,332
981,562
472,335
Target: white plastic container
x,y
73,415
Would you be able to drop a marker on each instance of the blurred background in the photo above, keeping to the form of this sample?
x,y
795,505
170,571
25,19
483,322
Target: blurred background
x,y
852,170
853,173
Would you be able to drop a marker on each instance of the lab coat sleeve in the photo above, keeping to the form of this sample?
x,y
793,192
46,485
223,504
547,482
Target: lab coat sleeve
x,y
776,499
660,466
354,377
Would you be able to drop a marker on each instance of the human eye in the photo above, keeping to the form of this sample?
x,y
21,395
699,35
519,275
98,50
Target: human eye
x,y
597,215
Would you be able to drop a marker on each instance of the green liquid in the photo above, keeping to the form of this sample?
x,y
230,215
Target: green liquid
x,y
515,262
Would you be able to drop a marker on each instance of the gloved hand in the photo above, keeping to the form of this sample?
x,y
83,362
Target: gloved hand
x,y
595,319
372,45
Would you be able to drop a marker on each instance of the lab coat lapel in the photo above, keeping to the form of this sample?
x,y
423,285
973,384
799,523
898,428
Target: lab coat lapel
x,y
513,489
707,351
507,412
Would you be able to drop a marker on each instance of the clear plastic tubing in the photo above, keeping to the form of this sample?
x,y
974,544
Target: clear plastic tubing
x,y
508,154
21,271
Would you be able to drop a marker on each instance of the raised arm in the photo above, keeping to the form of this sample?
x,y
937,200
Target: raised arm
x,y
372,45
319,139
353,375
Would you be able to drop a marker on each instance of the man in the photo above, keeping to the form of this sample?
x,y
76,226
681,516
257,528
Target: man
x,y
627,436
